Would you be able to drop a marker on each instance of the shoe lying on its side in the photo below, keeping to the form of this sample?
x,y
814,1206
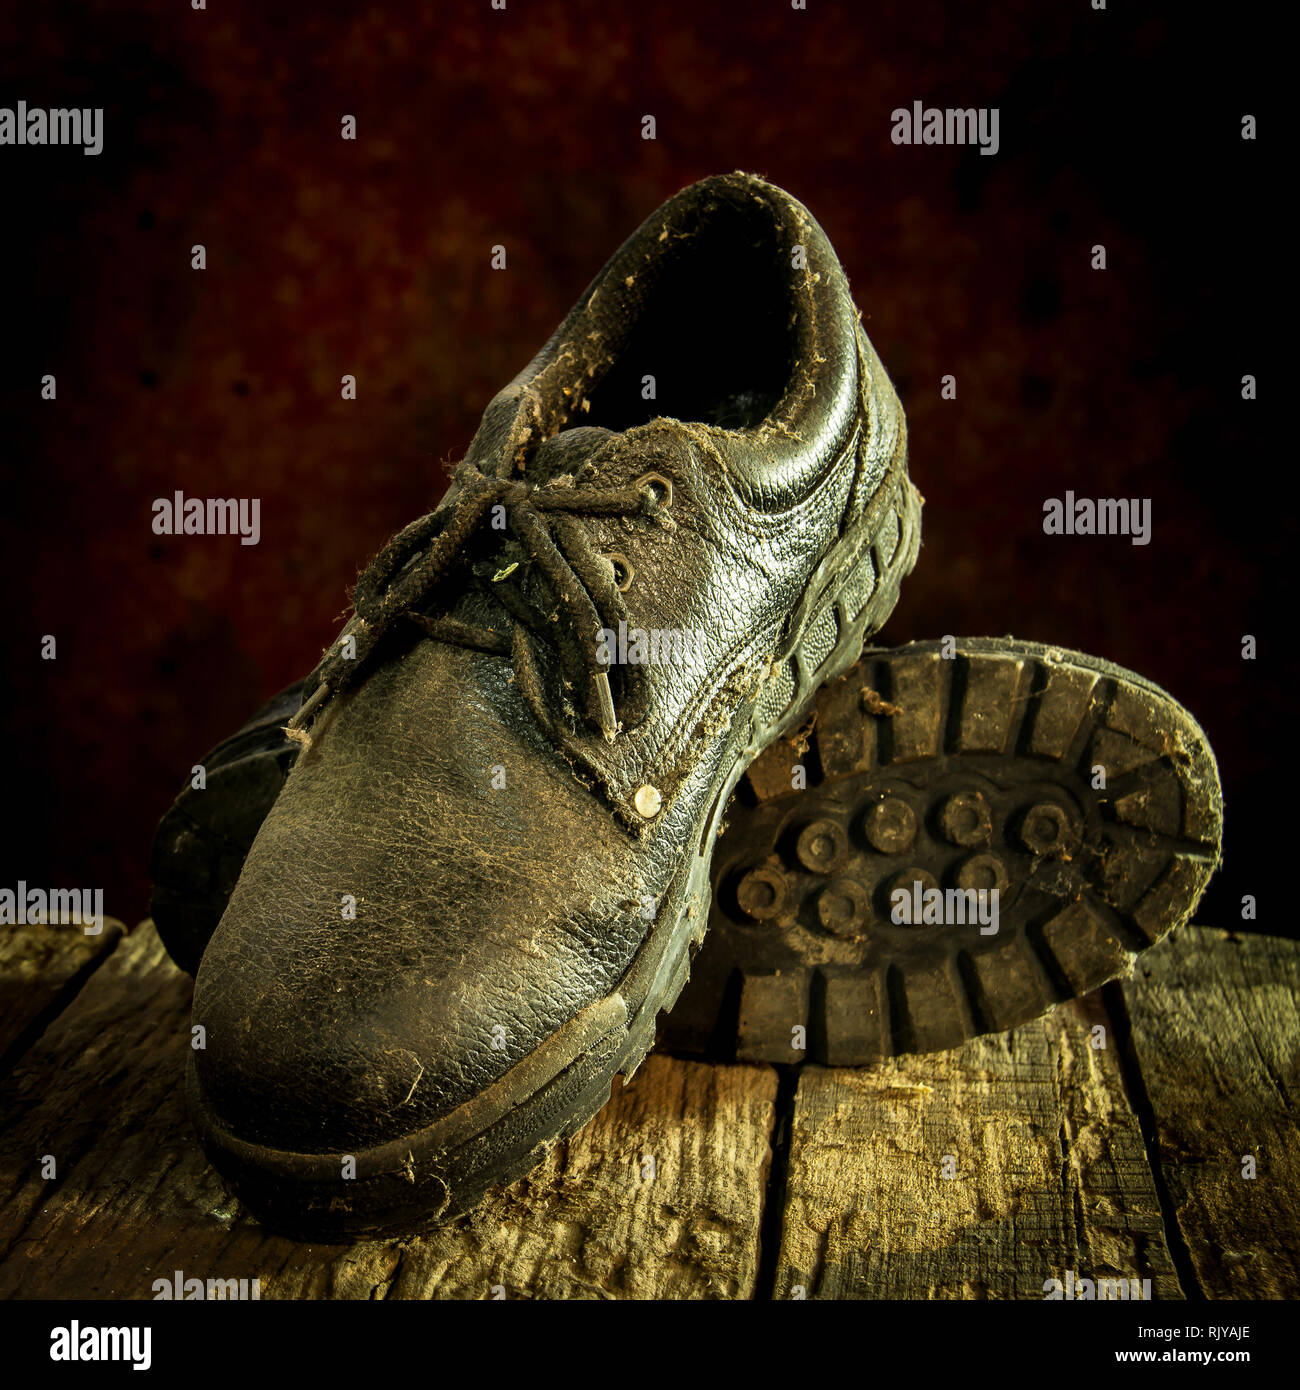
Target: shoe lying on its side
x,y
1085,795
484,872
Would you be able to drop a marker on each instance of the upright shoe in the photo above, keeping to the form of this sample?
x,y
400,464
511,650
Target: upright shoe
x,y
487,867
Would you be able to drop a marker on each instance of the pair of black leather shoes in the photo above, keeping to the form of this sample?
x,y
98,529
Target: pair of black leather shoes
x,y
484,826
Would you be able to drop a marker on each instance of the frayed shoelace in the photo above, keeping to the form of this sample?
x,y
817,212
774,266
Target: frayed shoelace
x,y
581,582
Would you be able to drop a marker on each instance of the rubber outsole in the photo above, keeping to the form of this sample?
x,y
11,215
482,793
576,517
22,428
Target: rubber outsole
x,y
432,1176
1083,793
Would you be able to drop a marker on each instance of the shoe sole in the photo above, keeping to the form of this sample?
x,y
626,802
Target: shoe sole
x,y
433,1175
974,767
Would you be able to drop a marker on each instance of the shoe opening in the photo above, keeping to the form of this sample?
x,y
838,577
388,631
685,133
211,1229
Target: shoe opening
x,y
714,329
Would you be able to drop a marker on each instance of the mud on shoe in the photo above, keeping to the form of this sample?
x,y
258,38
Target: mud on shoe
x,y
486,870
1084,800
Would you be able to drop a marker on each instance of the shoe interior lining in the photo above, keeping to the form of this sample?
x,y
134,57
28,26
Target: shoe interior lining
x,y
716,331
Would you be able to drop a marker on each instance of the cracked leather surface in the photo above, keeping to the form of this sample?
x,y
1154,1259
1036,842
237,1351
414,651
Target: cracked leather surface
x,y
495,913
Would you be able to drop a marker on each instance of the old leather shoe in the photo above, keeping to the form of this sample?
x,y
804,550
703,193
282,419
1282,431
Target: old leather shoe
x,y
486,870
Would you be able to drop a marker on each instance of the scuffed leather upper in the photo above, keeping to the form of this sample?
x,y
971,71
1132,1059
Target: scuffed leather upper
x,y
494,913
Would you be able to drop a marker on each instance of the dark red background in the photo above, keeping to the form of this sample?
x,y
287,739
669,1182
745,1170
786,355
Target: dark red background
x,y
524,127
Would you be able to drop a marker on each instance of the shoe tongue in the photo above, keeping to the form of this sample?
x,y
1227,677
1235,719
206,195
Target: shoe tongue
x,y
565,453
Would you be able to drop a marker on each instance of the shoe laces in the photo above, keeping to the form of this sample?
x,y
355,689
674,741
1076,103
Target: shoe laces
x,y
585,595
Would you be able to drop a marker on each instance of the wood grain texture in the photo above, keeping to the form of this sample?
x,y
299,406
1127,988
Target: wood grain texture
x,y
1216,1039
1051,1175
41,970
134,1200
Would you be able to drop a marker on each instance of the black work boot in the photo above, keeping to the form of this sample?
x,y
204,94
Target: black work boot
x,y
485,871
967,834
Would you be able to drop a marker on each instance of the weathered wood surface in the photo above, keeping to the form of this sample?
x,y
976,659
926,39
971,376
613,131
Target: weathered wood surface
x,y
1048,1172
133,1199
842,1195
41,970
1216,1038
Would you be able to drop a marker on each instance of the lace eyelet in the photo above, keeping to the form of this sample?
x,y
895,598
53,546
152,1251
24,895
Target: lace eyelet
x,y
623,571
664,495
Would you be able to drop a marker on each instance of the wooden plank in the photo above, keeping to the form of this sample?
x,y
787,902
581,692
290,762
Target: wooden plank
x,y
1216,1036
133,1199
1051,1176
41,970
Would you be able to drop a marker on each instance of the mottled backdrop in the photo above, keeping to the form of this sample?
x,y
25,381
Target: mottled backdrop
x,y
523,127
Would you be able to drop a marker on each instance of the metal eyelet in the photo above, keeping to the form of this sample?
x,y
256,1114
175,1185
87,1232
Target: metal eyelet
x,y
664,497
623,571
